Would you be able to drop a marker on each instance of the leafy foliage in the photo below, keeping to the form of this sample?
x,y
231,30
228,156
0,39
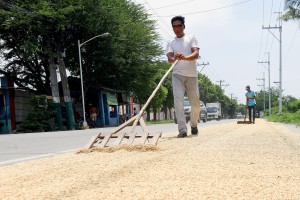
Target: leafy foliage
x,y
289,118
34,31
293,7
293,106
39,119
210,92
31,32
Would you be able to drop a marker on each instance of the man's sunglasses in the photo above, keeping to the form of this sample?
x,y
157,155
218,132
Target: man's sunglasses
x,y
177,26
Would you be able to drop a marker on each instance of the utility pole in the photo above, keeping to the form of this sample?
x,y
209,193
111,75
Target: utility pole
x,y
225,86
270,109
203,64
222,85
231,95
280,57
264,86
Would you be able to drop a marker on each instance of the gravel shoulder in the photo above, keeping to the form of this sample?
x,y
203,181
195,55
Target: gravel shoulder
x,y
231,161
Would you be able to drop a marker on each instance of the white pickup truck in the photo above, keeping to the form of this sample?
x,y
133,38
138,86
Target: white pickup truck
x,y
214,111
187,112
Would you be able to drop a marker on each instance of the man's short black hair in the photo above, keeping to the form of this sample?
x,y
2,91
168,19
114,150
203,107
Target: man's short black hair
x,y
180,18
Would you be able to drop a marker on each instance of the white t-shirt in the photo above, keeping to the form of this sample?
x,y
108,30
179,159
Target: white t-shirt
x,y
184,45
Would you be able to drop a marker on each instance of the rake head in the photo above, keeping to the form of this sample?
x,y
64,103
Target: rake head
x,y
244,122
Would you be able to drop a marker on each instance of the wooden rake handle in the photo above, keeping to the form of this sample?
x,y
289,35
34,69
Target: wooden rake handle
x,y
135,118
152,95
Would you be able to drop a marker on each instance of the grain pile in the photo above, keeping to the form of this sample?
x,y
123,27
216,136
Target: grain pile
x,y
232,161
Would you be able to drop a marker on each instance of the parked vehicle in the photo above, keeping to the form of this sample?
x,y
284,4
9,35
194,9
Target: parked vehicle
x,y
203,112
239,116
214,111
187,112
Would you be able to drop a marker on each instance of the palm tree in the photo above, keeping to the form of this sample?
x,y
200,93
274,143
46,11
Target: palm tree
x,y
292,3
293,7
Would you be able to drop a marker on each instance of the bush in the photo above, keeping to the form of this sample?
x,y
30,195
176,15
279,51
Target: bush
x,y
293,106
288,118
39,119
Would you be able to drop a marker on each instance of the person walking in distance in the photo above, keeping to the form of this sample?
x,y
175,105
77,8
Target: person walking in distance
x,y
250,103
93,112
185,49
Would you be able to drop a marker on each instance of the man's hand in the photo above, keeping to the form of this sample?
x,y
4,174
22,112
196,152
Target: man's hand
x,y
180,56
171,57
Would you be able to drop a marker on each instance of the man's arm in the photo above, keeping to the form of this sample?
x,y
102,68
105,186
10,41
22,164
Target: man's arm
x,y
253,96
193,56
247,99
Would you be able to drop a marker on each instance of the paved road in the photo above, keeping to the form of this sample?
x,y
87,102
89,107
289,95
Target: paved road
x,y
16,148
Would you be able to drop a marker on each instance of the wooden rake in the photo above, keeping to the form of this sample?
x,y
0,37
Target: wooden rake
x,y
104,140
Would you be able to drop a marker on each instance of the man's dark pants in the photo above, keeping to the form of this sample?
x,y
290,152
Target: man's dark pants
x,y
250,113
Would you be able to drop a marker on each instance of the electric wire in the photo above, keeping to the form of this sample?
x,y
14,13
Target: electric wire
x,y
162,21
291,44
261,41
214,9
267,43
173,5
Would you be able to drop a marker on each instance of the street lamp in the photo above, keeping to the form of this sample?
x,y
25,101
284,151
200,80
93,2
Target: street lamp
x,y
81,77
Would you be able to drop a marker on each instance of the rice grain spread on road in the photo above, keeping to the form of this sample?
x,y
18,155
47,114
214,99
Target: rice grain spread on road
x,y
231,161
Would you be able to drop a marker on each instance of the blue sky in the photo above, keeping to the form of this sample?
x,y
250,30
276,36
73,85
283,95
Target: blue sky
x,y
232,40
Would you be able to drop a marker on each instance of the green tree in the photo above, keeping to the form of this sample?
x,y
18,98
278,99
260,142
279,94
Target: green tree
x,y
31,33
293,106
36,32
210,92
260,101
126,59
168,103
293,7
53,27
159,99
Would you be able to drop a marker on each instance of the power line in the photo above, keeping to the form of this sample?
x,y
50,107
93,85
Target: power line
x,y
214,9
203,64
267,43
173,4
262,31
271,12
291,43
160,20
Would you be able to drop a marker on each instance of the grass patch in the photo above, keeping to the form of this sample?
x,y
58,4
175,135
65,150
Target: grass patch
x,y
167,121
287,118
